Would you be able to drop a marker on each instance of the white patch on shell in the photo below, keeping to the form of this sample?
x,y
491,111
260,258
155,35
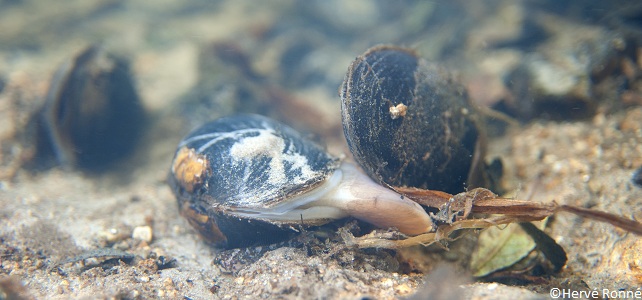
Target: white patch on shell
x,y
264,143
269,145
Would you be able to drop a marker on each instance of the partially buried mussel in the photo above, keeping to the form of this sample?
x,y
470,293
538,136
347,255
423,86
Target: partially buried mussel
x,y
246,179
92,114
409,123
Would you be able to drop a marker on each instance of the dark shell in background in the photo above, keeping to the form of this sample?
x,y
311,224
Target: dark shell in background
x,y
244,163
92,114
408,123
637,177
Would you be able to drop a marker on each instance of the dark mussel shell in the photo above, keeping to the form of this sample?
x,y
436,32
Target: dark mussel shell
x,y
227,171
92,114
408,123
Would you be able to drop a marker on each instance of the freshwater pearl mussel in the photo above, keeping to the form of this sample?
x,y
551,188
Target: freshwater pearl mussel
x,y
247,179
92,115
408,122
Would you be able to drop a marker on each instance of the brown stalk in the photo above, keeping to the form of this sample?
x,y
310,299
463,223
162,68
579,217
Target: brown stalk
x,y
482,201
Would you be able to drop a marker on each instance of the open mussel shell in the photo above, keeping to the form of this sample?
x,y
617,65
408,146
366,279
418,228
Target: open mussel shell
x,y
237,180
246,180
408,123
92,114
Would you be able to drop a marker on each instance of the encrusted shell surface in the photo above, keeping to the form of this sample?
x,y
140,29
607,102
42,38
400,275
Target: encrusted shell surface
x,y
408,123
239,164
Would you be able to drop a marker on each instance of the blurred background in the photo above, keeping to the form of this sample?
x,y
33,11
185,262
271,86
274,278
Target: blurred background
x,y
81,171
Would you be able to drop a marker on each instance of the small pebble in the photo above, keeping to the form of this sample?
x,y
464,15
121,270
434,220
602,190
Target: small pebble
x,y
143,233
168,283
403,289
114,235
637,177
387,283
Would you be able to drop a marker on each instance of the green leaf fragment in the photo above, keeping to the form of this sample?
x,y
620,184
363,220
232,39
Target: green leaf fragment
x,y
499,248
